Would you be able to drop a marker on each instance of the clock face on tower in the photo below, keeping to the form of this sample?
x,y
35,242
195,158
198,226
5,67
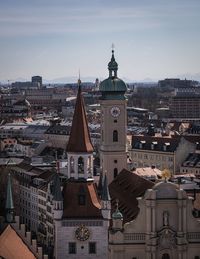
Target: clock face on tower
x,y
115,111
82,233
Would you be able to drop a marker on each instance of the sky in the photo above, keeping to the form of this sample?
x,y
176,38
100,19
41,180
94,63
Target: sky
x,y
153,39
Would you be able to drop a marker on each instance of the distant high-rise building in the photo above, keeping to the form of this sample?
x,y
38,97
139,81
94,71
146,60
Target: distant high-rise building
x,y
37,80
186,104
176,83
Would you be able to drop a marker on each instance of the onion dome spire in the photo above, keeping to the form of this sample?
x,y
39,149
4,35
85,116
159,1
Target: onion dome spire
x,y
112,66
117,214
79,140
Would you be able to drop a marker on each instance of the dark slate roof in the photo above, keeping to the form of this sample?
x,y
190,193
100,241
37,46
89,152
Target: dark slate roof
x,y
72,208
59,130
79,140
171,146
192,160
125,188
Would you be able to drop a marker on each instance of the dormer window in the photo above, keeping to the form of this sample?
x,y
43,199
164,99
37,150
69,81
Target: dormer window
x,y
81,199
165,147
153,144
81,196
142,143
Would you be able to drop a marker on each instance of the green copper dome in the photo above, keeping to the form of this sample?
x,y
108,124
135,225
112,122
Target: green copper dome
x,y
117,215
113,88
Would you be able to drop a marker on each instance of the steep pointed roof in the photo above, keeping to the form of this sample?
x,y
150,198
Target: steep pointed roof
x,y
57,193
79,140
13,246
105,191
9,197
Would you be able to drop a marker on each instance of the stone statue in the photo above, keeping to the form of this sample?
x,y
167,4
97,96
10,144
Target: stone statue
x,y
165,218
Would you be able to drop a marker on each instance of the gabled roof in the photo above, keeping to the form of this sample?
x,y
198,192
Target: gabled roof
x,y
12,246
79,140
72,208
125,188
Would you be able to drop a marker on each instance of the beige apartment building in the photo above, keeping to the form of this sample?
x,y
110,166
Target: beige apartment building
x,y
163,152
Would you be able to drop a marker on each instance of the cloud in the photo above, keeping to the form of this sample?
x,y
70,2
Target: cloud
x,y
73,20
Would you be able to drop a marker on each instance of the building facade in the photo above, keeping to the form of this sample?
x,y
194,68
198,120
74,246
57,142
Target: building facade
x,y
164,228
161,152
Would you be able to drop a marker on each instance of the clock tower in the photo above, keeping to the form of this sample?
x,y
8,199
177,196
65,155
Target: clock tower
x,y
81,215
113,155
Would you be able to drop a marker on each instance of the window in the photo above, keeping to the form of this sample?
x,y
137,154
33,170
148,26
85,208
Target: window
x,y
92,248
72,248
81,199
71,164
81,196
115,172
115,136
165,256
80,165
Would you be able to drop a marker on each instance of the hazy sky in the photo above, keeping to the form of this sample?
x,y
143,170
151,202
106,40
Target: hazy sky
x,y
55,38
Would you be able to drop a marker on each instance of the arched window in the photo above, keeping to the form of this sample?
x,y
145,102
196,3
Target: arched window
x,y
80,165
115,172
115,136
165,256
71,164
89,165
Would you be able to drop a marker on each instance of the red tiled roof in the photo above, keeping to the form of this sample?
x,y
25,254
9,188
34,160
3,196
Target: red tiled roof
x,y
79,140
72,209
125,188
12,246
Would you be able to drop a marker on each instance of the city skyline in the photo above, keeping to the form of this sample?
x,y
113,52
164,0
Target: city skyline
x,y
153,40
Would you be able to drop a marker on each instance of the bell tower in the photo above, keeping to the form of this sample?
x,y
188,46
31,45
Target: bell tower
x,y
79,148
113,155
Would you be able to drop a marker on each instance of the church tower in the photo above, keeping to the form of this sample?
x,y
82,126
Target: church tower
x,y
113,155
81,218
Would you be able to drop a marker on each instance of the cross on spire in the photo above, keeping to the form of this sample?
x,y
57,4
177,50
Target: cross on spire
x,y
113,47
